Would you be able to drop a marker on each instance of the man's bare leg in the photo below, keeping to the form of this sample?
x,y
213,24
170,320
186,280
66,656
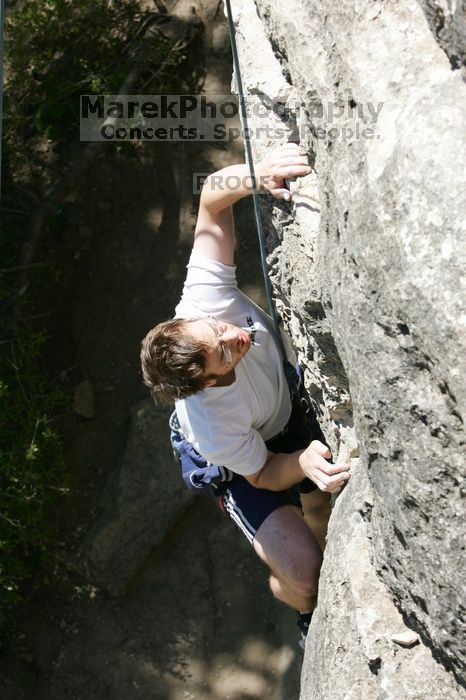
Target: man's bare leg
x,y
317,511
289,597
286,544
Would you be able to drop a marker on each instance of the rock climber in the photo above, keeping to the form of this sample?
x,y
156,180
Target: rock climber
x,y
234,424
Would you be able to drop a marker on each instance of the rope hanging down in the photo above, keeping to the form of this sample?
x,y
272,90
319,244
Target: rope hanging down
x,y
289,369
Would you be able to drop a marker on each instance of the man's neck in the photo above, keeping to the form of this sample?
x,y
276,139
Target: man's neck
x,y
226,379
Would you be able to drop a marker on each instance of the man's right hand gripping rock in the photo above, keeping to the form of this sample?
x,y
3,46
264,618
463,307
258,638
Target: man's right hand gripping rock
x,y
315,465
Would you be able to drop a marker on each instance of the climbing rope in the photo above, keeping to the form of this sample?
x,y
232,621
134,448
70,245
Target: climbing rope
x,y
290,372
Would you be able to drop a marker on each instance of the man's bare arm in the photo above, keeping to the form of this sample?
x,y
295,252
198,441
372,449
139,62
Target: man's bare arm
x,y
214,236
281,471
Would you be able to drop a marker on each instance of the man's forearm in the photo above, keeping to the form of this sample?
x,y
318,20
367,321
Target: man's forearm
x,y
281,472
225,187
284,470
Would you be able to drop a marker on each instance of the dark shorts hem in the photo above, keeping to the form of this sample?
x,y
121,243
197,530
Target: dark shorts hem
x,y
248,507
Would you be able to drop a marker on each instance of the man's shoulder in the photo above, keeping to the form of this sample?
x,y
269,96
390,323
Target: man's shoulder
x,y
208,287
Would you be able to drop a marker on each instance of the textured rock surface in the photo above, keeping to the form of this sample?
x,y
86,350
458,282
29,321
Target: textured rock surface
x,y
142,502
357,627
447,21
368,270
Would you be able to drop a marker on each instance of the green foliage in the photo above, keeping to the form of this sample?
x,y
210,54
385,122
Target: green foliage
x,y
57,50
32,473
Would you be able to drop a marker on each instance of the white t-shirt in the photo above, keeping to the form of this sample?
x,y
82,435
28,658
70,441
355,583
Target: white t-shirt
x,y
228,425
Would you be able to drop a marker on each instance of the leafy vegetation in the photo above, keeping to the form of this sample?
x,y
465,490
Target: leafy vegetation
x,y
32,472
58,50
55,51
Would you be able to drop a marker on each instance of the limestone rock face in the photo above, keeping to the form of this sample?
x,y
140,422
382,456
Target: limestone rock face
x,y
447,21
368,270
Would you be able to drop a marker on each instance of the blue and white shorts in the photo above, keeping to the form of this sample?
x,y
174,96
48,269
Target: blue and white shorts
x,y
246,505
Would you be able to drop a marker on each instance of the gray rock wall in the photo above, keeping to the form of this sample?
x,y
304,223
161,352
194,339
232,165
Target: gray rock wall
x,y
447,21
367,267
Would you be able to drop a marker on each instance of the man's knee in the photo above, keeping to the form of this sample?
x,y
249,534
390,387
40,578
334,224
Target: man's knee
x,y
304,577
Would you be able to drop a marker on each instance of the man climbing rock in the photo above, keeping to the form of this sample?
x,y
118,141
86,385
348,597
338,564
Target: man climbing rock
x,y
238,434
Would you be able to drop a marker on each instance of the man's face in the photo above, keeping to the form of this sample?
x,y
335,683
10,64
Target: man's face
x,y
227,344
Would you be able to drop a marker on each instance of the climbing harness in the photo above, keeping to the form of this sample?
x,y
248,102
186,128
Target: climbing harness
x,y
211,479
